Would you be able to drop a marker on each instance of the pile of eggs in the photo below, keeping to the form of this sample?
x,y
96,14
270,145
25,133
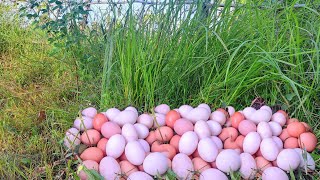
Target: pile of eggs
x,y
194,143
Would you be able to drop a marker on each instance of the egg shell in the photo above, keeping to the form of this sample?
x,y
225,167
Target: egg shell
x,y
284,134
248,166
159,120
198,114
212,174
207,149
228,160
102,144
115,146
72,138
264,130
279,118
291,143
247,126
145,145
284,113
98,121
308,141
231,110
92,153
229,144
295,129
272,173
248,111
127,168
109,129
239,141
126,117
146,120
90,137
262,163
229,132
164,133
162,108
83,123
171,117
218,117
215,127
267,108
260,115
200,165
275,128
182,166
151,137
236,118
89,112
89,164
109,168
175,141
308,128
184,110
269,149
278,141
139,175
306,160
188,143
182,126
135,152
141,130
112,113
288,159
201,128
251,143
155,163
206,106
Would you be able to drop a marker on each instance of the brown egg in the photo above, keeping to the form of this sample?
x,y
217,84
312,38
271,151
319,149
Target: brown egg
x,y
123,157
90,137
92,153
89,164
308,128
284,134
308,141
151,137
228,123
213,164
168,150
195,154
155,147
262,163
175,142
291,120
140,167
98,121
200,165
229,144
171,117
258,153
229,132
291,143
239,141
236,118
295,129
164,133
127,168
102,144
274,163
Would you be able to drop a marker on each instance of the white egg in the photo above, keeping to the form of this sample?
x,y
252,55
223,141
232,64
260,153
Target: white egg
x,y
231,110
125,117
267,108
139,175
155,163
83,123
162,108
269,149
142,130
279,118
133,109
278,141
146,119
212,173
218,117
129,132
288,159
184,110
160,120
275,128
207,149
306,160
188,143
274,173
198,114
248,111
182,166
248,166
264,130
112,113
214,127
206,106
115,146
109,168
135,153
217,141
228,160
201,128
145,145
251,142
89,112
260,116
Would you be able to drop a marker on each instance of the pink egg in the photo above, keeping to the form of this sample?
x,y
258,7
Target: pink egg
x,y
109,129
231,110
247,126
182,126
102,144
92,153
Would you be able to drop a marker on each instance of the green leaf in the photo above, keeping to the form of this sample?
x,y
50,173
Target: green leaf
x,y
58,3
290,96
